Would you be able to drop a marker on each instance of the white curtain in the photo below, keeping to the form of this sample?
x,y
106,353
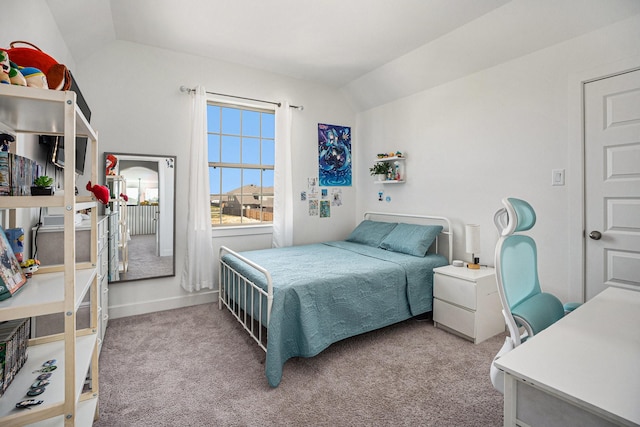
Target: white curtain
x,y
283,185
198,265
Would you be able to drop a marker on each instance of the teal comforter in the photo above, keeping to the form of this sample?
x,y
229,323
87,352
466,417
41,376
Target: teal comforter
x,y
329,291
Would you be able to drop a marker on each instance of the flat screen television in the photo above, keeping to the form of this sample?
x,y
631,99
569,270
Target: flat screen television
x,y
56,150
55,144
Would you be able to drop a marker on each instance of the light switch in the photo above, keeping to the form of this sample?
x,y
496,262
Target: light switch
x,y
557,177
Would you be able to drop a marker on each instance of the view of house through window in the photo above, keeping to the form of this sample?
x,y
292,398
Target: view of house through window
x,y
241,143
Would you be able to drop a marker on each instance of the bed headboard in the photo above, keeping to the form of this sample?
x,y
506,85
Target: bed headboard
x,y
444,242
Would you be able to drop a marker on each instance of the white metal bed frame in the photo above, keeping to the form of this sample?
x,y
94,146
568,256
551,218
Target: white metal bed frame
x,y
231,282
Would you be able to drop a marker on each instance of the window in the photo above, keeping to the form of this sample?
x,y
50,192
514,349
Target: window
x,y
241,160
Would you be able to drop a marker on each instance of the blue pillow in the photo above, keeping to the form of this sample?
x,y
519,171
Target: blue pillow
x,y
411,239
370,232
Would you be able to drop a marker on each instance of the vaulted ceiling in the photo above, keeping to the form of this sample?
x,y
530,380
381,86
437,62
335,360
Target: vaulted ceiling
x,y
332,42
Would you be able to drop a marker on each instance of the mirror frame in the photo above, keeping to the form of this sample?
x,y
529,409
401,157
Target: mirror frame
x,y
149,157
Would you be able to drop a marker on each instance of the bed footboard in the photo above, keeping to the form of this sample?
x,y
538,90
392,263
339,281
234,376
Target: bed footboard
x,y
244,299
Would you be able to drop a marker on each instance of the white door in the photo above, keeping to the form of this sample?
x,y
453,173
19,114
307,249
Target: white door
x,y
612,183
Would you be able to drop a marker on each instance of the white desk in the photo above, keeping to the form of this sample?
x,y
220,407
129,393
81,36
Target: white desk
x,y
583,370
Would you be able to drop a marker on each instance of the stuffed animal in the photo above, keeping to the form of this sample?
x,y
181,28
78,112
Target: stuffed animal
x,y
4,78
34,77
4,60
124,197
30,266
100,192
56,76
16,77
5,66
10,74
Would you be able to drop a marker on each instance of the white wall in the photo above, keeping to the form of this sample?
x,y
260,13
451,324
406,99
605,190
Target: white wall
x,y
32,21
513,30
496,133
137,106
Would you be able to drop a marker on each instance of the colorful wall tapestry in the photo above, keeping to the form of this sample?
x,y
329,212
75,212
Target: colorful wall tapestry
x,y
334,155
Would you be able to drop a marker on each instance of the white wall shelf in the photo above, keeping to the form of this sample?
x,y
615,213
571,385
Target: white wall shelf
x,y
390,181
392,160
389,159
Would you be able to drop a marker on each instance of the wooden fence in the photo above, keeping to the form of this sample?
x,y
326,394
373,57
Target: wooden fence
x,y
267,216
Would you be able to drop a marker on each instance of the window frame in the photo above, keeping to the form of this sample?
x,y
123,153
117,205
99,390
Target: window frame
x,y
249,227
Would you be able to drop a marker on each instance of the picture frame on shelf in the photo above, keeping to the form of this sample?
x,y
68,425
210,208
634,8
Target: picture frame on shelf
x,y
12,278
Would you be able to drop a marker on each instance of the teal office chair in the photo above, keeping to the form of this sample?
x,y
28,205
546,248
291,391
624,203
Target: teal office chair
x,y
524,305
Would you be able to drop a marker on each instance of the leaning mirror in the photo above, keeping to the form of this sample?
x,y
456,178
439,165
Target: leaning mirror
x,y
141,213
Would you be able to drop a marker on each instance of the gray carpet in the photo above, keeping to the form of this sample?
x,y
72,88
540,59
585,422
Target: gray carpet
x,y
195,366
143,262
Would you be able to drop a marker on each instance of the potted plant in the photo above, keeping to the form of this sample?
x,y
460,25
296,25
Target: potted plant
x,y
42,186
380,169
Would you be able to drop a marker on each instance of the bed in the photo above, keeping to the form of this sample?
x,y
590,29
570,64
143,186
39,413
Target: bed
x,y
296,301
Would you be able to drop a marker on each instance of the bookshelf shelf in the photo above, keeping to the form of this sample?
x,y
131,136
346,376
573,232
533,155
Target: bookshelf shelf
x,y
43,294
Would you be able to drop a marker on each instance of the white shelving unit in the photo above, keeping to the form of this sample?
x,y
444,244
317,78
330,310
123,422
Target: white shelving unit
x,y
393,160
55,289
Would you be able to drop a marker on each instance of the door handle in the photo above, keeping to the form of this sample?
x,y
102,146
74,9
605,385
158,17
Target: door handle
x,y
595,235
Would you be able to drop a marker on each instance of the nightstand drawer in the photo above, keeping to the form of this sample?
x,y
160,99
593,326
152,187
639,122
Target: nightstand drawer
x,y
454,317
455,291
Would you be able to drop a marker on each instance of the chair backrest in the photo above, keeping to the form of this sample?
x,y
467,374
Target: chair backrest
x,y
516,260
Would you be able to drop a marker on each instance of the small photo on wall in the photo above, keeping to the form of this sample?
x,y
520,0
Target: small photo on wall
x,y
325,209
313,207
336,199
312,188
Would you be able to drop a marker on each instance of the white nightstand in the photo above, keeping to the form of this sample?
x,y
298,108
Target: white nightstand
x,y
466,302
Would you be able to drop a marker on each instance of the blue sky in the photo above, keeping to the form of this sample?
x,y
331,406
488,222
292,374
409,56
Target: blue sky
x,y
245,136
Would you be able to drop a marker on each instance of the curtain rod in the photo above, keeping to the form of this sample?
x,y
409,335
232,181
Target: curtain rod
x,y
279,104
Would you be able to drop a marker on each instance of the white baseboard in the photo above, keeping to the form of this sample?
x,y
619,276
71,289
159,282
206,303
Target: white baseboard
x,y
125,310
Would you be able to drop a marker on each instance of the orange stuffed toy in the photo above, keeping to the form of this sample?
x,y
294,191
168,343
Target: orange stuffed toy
x,y
100,192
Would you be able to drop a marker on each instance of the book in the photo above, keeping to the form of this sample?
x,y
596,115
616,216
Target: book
x,y
17,174
5,174
14,336
16,240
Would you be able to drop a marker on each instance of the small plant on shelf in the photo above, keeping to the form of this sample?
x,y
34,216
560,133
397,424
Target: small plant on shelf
x,y
380,168
43,181
42,186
